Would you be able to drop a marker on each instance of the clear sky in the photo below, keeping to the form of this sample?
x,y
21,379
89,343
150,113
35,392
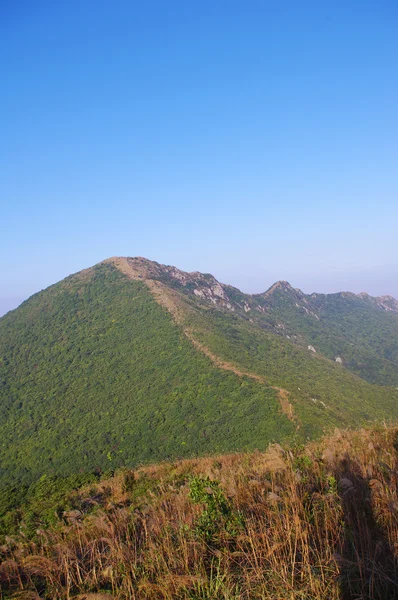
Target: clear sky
x,y
256,140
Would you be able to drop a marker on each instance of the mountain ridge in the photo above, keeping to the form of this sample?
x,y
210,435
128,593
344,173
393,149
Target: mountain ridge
x,y
157,290
146,267
131,361
286,311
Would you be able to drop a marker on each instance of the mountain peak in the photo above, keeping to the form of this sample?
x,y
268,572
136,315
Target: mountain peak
x,y
282,286
148,361
136,267
203,285
387,303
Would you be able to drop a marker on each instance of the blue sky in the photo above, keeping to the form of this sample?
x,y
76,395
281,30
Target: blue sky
x,y
254,140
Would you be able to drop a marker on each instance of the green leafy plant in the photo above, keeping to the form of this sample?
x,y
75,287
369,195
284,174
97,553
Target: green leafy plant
x,y
218,513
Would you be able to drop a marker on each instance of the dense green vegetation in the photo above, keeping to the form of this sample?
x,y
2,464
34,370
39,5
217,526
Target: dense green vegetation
x,y
362,331
345,325
322,391
95,374
40,504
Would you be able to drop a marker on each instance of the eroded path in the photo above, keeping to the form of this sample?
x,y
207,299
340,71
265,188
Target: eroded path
x,y
165,298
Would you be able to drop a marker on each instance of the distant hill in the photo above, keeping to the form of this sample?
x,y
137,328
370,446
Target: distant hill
x,y
131,361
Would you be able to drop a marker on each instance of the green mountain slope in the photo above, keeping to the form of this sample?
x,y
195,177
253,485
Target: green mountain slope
x,y
360,330
132,361
95,373
322,392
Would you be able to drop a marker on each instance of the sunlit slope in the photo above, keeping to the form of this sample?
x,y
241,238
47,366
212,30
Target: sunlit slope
x,y
361,330
133,361
357,330
323,393
95,373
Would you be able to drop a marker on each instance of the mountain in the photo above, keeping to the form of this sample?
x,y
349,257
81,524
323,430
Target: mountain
x,y
131,361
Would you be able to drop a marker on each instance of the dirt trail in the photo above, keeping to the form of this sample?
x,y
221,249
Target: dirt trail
x,y
165,298
286,406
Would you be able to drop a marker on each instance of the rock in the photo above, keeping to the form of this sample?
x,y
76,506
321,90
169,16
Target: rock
x,y
311,348
339,360
72,516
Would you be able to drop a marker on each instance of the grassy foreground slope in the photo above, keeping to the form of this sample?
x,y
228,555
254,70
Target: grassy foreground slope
x,y
316,522
94,373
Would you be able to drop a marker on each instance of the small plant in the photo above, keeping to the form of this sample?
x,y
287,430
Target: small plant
x,y
302,462
332,485
218,514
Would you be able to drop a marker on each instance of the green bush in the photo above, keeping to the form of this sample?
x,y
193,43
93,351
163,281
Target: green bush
x,y
218,514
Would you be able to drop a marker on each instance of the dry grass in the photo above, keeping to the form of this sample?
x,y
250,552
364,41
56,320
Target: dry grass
x,y
319,522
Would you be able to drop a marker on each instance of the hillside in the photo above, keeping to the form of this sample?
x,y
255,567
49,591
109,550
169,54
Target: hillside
x,y
315,522
359,331
131,361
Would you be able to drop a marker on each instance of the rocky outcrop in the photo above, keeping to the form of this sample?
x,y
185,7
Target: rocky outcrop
x,y
387,303
203,286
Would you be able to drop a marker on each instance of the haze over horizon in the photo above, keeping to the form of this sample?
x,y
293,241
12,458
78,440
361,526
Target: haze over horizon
x,y
257,142
7,304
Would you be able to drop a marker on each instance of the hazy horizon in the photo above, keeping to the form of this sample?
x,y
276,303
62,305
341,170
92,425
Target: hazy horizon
x,y
249,283
254,141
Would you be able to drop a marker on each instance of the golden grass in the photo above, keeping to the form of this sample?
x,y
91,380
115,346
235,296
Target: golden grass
x,y
319,522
